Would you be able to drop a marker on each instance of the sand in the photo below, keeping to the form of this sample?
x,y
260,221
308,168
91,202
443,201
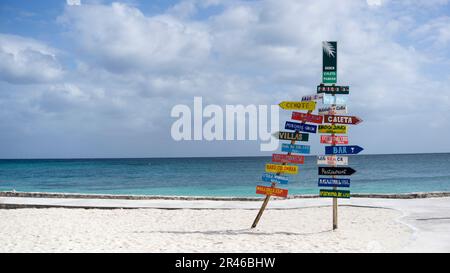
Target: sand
x,y
207,230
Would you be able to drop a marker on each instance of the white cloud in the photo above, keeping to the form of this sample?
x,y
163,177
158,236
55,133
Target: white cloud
x,y
133,68
24,60
73,2
123,39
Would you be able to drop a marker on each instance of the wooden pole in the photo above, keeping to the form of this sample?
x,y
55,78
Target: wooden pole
x,y
266,200
335,202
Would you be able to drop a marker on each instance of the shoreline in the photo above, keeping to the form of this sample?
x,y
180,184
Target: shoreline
x,y
412,195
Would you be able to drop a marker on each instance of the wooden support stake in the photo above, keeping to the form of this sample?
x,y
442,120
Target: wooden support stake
x,y
335,201
266,200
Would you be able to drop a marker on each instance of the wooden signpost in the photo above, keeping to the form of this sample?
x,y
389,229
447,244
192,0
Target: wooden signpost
x,y
341,119
271,191
298,105
275,168
333,110
295,148
291,136
273,178
288,158
336,124
327,139
302,127
294,159
307,117
333,128
332,160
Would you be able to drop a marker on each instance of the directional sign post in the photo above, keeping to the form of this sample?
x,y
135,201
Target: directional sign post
x,y
343,150
298,105
271,191
302,127
332,160
335,193
334,129
329,67
341,119
291,136
307,117
312,97
275,168
327,139
333,110
306,105
333,89
295,148
294,159
336,171
332,99
334,182
273,178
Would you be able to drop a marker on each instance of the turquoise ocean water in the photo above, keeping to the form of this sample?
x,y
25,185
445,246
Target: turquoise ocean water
x,y
236,176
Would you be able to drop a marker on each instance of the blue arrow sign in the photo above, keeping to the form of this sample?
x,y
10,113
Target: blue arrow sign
x,y
295,148
334,182
270,177
330,99
343,150
302,127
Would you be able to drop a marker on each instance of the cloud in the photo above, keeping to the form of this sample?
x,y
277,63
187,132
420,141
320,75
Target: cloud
x,y
131,68
123,39
73,2
24,60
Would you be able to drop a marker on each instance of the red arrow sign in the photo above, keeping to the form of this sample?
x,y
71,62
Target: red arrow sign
x,y
330,139
271,191
307,117
341,119
282,158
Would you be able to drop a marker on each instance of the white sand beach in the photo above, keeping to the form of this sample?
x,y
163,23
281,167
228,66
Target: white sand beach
x,y
297,225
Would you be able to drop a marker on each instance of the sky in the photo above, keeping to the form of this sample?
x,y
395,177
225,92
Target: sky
x,y
96,78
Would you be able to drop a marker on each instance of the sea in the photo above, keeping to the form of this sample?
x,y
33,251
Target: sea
x,y
219,176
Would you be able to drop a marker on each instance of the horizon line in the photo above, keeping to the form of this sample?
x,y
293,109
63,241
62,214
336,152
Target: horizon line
x,y
179,157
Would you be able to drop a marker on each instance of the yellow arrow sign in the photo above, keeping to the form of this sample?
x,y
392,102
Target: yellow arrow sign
x,y
275,168
298,105
337,129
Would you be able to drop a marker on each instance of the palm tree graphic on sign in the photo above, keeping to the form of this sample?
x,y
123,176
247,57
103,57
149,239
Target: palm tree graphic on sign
x,y
328,48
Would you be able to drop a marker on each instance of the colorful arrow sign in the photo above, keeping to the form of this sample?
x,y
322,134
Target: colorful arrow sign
x,y
271,191
336,171
273,178
298,105
335,193
333,110
307,117
333,129
343,150
275,168
333,89
331,99
329,139
302,127
334,182
291,136
294,159
295,148
342,119
332,160
312,97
